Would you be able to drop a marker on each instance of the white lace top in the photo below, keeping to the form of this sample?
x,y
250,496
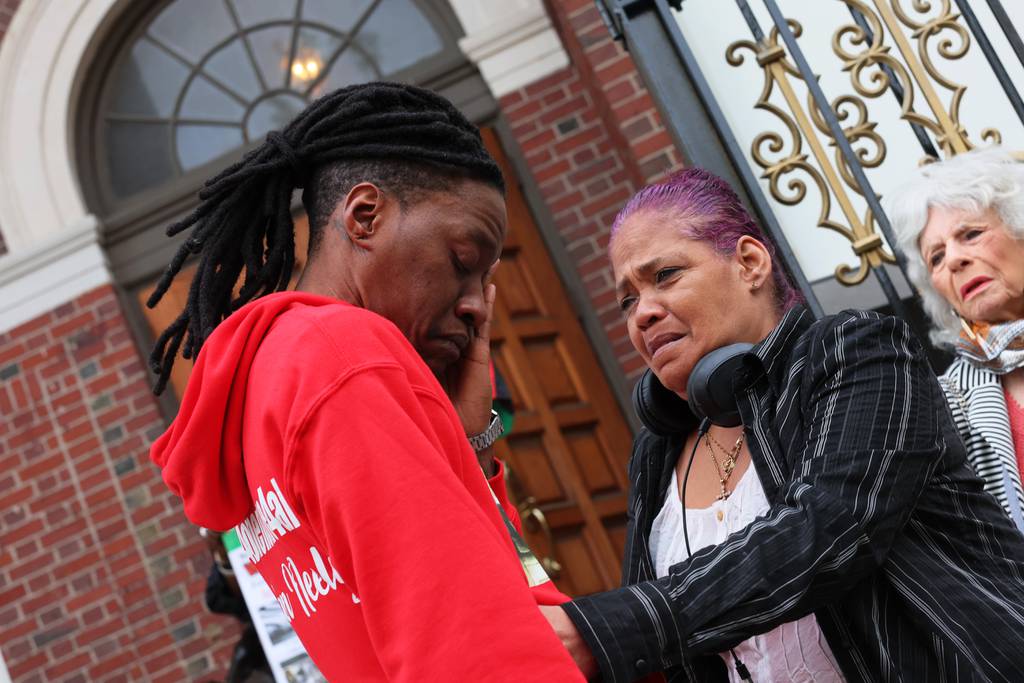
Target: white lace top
x,y
795,651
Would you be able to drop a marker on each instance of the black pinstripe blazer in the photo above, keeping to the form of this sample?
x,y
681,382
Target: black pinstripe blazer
x,y
877,525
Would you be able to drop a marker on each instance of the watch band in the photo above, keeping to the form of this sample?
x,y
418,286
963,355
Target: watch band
x,y
486,438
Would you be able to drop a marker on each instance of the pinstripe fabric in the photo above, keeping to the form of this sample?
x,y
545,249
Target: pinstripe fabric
x,y
877,525
976,399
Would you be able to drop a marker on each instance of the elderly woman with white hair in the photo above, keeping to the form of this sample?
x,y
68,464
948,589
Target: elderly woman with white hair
x,y
961,224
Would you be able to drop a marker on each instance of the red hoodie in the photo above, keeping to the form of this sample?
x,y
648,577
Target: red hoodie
x,y
314,428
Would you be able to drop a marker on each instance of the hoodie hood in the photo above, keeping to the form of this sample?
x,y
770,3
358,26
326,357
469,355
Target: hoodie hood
x,y
200,454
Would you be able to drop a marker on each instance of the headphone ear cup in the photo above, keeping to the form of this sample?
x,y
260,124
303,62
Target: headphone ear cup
x,y
660,410
710,387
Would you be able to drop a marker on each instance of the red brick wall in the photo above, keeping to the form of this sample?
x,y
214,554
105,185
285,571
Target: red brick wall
x,y
101,576
591,137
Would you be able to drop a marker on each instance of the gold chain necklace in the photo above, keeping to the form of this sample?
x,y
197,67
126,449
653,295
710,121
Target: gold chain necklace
x,y
725,469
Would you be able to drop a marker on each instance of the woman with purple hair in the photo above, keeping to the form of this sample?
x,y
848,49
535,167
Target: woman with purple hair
x,y
838,532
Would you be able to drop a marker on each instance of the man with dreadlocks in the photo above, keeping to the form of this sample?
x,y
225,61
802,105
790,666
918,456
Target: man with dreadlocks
x,y
329,425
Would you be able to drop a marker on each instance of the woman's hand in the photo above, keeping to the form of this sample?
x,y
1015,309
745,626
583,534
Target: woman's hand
x,y
570,637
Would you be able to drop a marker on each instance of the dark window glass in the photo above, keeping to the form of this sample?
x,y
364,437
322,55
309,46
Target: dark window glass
x,y
139,155
206,77
255,12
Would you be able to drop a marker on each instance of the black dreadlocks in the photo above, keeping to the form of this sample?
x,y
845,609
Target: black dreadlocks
x,y
403,138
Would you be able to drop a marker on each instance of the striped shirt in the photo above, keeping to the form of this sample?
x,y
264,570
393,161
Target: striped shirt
x,y
876,524
980,411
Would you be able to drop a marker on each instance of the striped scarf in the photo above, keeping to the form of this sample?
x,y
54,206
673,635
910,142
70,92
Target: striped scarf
x,y
999,348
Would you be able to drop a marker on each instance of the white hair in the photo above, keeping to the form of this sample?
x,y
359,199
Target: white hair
x,y
973,181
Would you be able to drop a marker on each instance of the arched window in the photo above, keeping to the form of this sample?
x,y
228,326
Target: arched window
x,y
199,80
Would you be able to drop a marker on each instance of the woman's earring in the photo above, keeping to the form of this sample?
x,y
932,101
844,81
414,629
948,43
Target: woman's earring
x,y
754,286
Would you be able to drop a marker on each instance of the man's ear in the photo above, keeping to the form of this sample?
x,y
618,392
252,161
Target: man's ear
x,y
359,214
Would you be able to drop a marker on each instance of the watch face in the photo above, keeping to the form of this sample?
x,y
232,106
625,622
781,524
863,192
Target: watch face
x,y
496,425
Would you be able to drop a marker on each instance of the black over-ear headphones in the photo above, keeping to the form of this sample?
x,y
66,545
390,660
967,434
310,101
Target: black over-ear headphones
x,y
709,392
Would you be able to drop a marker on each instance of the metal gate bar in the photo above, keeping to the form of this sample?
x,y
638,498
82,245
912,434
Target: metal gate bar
x,y
853,162
993,59
1004,23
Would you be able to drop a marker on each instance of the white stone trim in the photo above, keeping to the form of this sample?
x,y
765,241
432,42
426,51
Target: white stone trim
x,y
34,281
512,42
40,57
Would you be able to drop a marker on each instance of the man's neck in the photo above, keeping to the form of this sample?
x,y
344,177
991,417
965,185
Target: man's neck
x,y
316,279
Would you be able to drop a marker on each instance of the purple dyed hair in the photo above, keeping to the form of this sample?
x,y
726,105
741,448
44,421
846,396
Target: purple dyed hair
x,y
710,211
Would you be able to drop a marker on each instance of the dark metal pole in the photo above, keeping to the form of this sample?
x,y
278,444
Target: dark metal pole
x,y
750,184
1004,23
896,88
752,23
848,154
992,57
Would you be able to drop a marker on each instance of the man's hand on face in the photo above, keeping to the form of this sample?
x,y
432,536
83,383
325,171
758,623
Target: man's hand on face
x,y
468,382
571,639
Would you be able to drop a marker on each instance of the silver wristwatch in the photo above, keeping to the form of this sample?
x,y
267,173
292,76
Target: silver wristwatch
x,y
486,438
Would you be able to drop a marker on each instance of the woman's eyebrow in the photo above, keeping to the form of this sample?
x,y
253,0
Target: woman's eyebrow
x,y
643,269
967,225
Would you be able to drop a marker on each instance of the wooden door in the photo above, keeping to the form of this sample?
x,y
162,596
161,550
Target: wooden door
x,y
568,449
570,443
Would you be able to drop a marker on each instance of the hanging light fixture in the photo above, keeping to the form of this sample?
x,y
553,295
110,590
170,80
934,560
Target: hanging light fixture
x,y
306,66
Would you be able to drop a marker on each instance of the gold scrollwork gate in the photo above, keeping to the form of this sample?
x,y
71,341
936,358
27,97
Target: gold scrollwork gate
x,y
880,57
